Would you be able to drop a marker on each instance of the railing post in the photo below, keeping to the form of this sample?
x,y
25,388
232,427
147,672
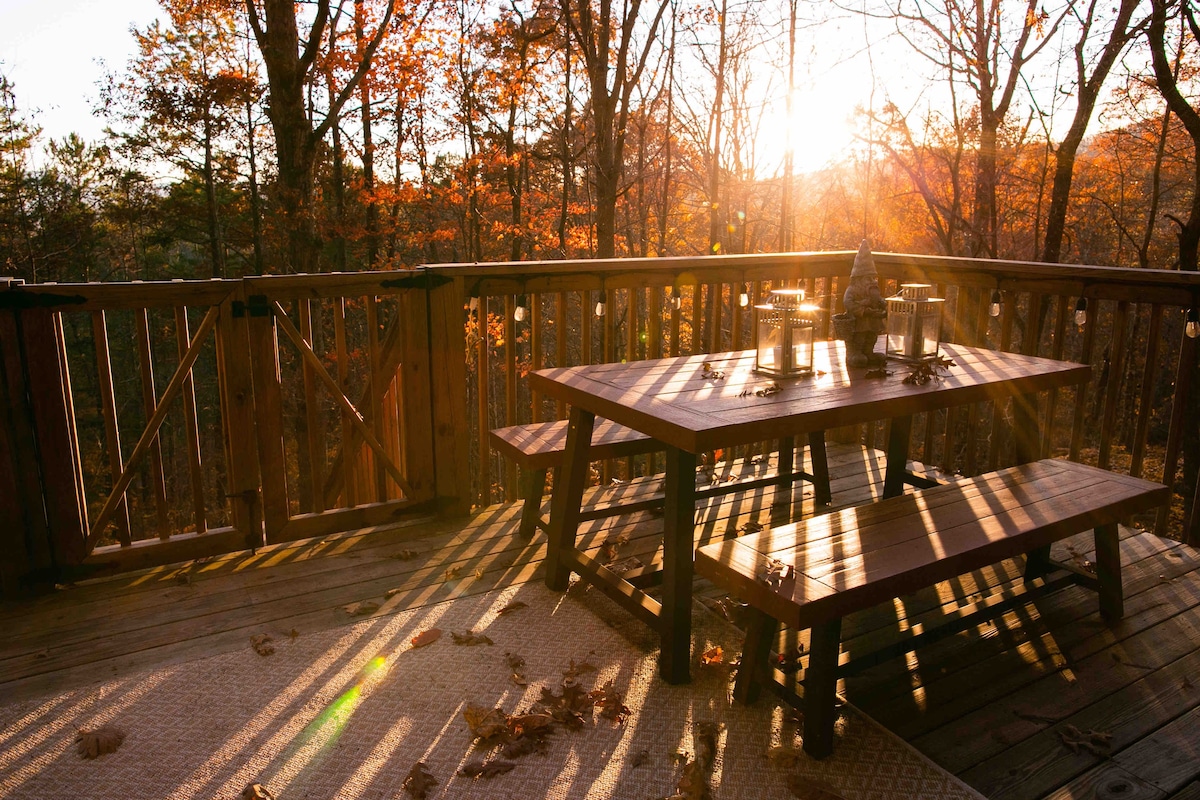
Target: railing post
x,y
440,367
237,401
41,431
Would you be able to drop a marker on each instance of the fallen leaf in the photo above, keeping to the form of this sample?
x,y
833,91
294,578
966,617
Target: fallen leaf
x,y
426,637
102,741
751,526
789,660
610,702
262,644
419,781
256,791
479,573
486,769
713,656
43,653
567,707
293,633
517,665
470,638
390,593
405,555
810,789
624,565
362,609
452,573
485,722
777,573
575,670
183,578
639,758
515,605
1098,743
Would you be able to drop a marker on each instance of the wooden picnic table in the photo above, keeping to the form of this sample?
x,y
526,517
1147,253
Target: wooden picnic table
x,y
695,404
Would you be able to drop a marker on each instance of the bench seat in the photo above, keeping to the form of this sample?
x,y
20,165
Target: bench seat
x,y
539,447
812,573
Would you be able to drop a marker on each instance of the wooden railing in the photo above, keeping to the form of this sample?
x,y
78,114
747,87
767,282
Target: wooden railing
x,y
150,422
1132,417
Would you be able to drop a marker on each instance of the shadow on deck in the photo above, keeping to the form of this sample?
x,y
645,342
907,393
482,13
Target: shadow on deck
x,y
1045,701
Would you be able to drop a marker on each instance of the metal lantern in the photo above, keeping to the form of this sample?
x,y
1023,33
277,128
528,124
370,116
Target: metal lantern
x,y
914,322
785,334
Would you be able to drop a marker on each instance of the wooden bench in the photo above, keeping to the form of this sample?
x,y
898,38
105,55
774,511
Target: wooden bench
x,y
813,573
541,446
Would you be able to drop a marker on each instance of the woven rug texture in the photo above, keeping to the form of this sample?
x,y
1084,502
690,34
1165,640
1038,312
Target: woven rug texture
x,y
346,713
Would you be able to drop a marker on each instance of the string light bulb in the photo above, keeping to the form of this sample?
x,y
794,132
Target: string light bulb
x,y
744,296
520,311
1192,328
601,306
1081,311
676,298
995,309
473,304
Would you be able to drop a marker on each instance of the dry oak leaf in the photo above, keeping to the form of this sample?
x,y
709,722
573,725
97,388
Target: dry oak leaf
x,y
390,593
1098,743
262,644
426,637
486,769
714,656
515,605
575,670
405,555
102,741
610,702
419,781
470,638
452,573
256,791
362,609
485,722
809,789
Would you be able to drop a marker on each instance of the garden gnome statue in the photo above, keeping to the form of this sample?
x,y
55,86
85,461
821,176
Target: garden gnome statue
x,y
866,311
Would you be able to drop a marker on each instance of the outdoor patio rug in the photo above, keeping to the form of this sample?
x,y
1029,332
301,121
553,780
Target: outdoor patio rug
x,y
347,713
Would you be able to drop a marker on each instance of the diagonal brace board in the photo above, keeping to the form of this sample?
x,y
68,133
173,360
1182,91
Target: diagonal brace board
x,y
356,419
173,390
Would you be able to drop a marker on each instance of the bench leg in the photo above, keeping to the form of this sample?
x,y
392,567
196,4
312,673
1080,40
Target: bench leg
x,y
679,526
568,495
1037,563
533,486
1108,573
823,496
820,688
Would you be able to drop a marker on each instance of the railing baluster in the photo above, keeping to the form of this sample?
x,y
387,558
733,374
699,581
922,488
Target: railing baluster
x,y
191,426
108,410
149,401
1146,398
314,424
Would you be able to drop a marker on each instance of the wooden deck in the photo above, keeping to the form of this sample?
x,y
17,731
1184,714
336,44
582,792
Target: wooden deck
x,y
1003,705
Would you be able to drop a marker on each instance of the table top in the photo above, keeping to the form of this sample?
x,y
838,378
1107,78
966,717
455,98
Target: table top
x,y
702,402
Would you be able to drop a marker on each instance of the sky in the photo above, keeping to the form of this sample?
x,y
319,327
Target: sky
x,y
50,50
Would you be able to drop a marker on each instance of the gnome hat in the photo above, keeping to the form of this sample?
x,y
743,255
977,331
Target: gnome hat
x,y
864,264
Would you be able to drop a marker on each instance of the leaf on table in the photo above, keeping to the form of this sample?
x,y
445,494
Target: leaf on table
x,y
1098,743
100,742
405,555
256,791
419,782
362,609
811,789
486,769
470,638
485,723
262,644
515,605
751,526
426,637
777,573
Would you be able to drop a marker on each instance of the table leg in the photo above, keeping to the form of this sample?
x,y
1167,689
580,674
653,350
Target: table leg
x,y
897,456
1108,573
1027,447
679,515
533,486
820,468
754,671
784,467
567,497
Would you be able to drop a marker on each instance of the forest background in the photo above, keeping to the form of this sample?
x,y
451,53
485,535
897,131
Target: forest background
x,y
381,134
